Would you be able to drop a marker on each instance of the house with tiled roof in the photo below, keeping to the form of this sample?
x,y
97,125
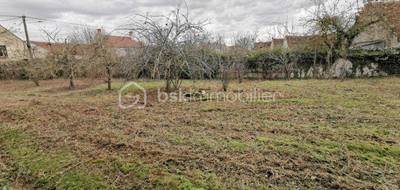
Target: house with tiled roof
x,y
383,34
303,42
120,42
123,45
43,49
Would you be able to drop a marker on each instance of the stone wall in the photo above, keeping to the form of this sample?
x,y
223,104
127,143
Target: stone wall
x,y
342,68
375,35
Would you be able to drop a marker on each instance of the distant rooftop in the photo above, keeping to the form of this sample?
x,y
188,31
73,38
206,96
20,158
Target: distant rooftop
x,y
120,42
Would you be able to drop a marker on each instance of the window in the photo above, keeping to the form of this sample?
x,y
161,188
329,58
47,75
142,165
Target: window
x,y
374,45
3,52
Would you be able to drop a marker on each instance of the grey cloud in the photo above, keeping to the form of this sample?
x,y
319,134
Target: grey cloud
x,y
224,15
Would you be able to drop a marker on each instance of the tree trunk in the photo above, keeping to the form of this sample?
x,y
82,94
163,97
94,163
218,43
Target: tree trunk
x,y
168,78
264,70
109,77
225,84
239,75
225,80
36,81
33,72
288,71
109,87
71,82
168,85
71,78
329,64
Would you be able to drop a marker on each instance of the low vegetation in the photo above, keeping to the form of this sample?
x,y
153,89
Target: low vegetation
x,y
323,134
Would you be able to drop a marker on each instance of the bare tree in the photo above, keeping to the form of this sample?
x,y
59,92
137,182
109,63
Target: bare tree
x,y
285,58
166,39
100,54
281,58
69,59
338,24
66,55
243,44
221,60
226,68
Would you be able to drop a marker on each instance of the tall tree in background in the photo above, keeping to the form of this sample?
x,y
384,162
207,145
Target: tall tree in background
x,y
104,56
166,39
67,55
338,24
243,44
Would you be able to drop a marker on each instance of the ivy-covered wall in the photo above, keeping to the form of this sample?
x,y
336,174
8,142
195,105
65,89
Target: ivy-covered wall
x,y
280,64
387,60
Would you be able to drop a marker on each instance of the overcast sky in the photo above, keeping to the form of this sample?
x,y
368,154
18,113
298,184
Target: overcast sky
x,y
224,16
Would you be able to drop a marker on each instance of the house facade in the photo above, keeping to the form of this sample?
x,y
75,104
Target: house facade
x,y
123,46
383,34
11,46
41,49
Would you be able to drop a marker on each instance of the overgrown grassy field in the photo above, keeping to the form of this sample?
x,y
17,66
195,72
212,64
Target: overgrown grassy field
x,y
320,134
